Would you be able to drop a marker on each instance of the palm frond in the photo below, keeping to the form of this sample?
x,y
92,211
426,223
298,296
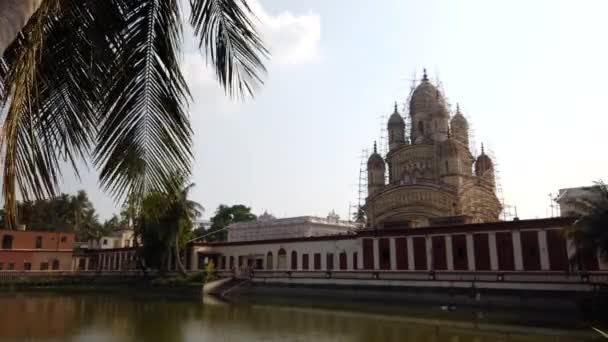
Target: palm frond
x,y
145,134
48,89
230,41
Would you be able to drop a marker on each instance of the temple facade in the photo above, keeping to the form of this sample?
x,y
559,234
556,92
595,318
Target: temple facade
x,y
429,175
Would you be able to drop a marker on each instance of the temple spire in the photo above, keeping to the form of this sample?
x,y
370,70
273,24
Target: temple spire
x,y
482,151
457,107
424,75
396,107
376,150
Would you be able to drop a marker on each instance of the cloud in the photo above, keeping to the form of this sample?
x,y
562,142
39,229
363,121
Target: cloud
x,y
292,39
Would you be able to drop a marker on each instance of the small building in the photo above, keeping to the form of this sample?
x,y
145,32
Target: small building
x,y
267,227
23,250
122,238
578,201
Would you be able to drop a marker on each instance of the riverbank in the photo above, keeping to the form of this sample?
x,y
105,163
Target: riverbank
x,y
583,303
166,285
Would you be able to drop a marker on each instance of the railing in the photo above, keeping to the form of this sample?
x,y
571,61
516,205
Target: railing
x,y
490,279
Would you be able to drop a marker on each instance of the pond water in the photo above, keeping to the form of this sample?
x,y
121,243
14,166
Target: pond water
x,y
48,316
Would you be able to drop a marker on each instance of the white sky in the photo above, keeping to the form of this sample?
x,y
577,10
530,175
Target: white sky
x,y
529,74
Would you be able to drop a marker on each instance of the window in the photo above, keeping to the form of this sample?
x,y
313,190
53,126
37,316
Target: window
x,y
7,242
446,167
421,127
44,266
317,261
64,239
55,264
27,266
38,242
11,266
105,242
1,266
330,261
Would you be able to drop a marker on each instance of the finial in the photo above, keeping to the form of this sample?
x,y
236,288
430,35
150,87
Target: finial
x,y
396,107
376,150
457,107
482,151
424,76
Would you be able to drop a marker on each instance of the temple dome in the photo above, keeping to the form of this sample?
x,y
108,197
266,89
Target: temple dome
x,y
375,161
483,164
459,120
396,119
426,98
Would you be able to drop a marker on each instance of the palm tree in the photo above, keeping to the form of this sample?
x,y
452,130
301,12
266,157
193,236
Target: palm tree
x,y
590,232
181,213
165,215
100,82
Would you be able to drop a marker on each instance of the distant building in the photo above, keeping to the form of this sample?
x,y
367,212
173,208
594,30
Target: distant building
x,y
122,238
578,201
23,250
267,227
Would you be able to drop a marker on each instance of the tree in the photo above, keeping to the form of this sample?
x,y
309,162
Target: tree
x,y
101,80
589,233
225,215
359,216
167,219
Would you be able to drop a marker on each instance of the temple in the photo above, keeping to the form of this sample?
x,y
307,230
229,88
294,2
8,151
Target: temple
x,y
433,178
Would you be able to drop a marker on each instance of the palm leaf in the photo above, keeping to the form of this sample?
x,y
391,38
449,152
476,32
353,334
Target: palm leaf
x,y
145,134
228,37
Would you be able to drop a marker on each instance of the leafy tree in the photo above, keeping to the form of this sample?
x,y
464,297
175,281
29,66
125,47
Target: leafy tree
x,y
82,78
589,233
225,215
359,216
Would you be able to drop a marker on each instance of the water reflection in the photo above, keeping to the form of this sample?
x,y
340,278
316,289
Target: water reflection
x,y
104,317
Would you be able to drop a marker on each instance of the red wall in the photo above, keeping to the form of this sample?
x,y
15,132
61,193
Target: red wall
x,y
530,250
558,252
401,250
385,254
439,253
504,249
50,240
459,252
368,254
481,246
420,253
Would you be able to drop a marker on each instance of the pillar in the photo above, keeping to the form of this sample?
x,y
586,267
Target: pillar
x,y
470,252
493,251
410,254
376,254
194,261
519,261
393,248
544,252
86,263
360,253
448,252
429,253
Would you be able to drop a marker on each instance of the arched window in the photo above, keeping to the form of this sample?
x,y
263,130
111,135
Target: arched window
x,y
294,260
269,261
421,127
55,265
281,259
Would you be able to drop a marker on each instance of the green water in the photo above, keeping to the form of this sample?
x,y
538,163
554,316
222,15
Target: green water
x,y
44,316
